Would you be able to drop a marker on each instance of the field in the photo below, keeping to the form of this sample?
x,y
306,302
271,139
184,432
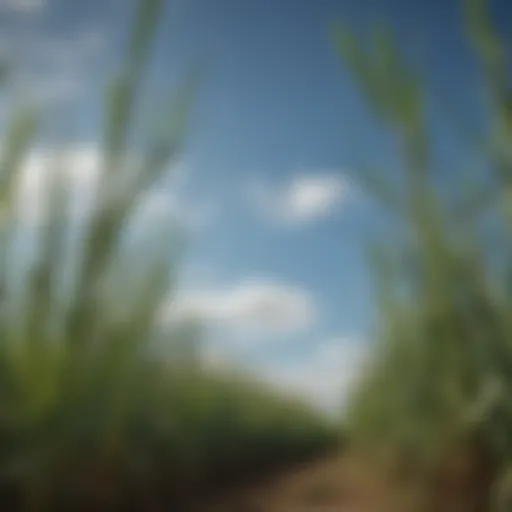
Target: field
x,y
105,403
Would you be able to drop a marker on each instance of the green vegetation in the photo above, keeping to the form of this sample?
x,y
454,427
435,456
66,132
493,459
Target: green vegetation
x,y
92,416
439,387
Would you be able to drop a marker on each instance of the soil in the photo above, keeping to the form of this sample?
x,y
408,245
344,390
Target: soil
x,y
331,484
344,483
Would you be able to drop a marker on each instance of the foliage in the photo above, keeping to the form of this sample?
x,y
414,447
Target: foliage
x,y
90,410
441,376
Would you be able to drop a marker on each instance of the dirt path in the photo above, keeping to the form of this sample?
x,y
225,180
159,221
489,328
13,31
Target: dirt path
x,y
340,483
329,485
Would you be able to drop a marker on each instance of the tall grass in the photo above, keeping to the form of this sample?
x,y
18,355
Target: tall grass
x,y
438,390
92,415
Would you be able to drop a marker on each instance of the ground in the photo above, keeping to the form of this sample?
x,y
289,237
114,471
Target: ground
x,y
331,484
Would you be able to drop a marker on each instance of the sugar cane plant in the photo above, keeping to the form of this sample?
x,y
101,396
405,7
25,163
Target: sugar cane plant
x,y
92,415
439,386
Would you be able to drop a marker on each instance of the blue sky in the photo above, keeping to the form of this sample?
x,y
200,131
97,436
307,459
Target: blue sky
x,y
276,257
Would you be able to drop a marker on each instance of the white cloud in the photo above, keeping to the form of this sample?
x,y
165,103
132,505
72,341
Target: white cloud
x,y
304,199
28,6
81,167
258,306
325,376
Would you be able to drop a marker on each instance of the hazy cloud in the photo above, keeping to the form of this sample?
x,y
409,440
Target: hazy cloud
x,y
305,198
326,375
263,306
323,376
